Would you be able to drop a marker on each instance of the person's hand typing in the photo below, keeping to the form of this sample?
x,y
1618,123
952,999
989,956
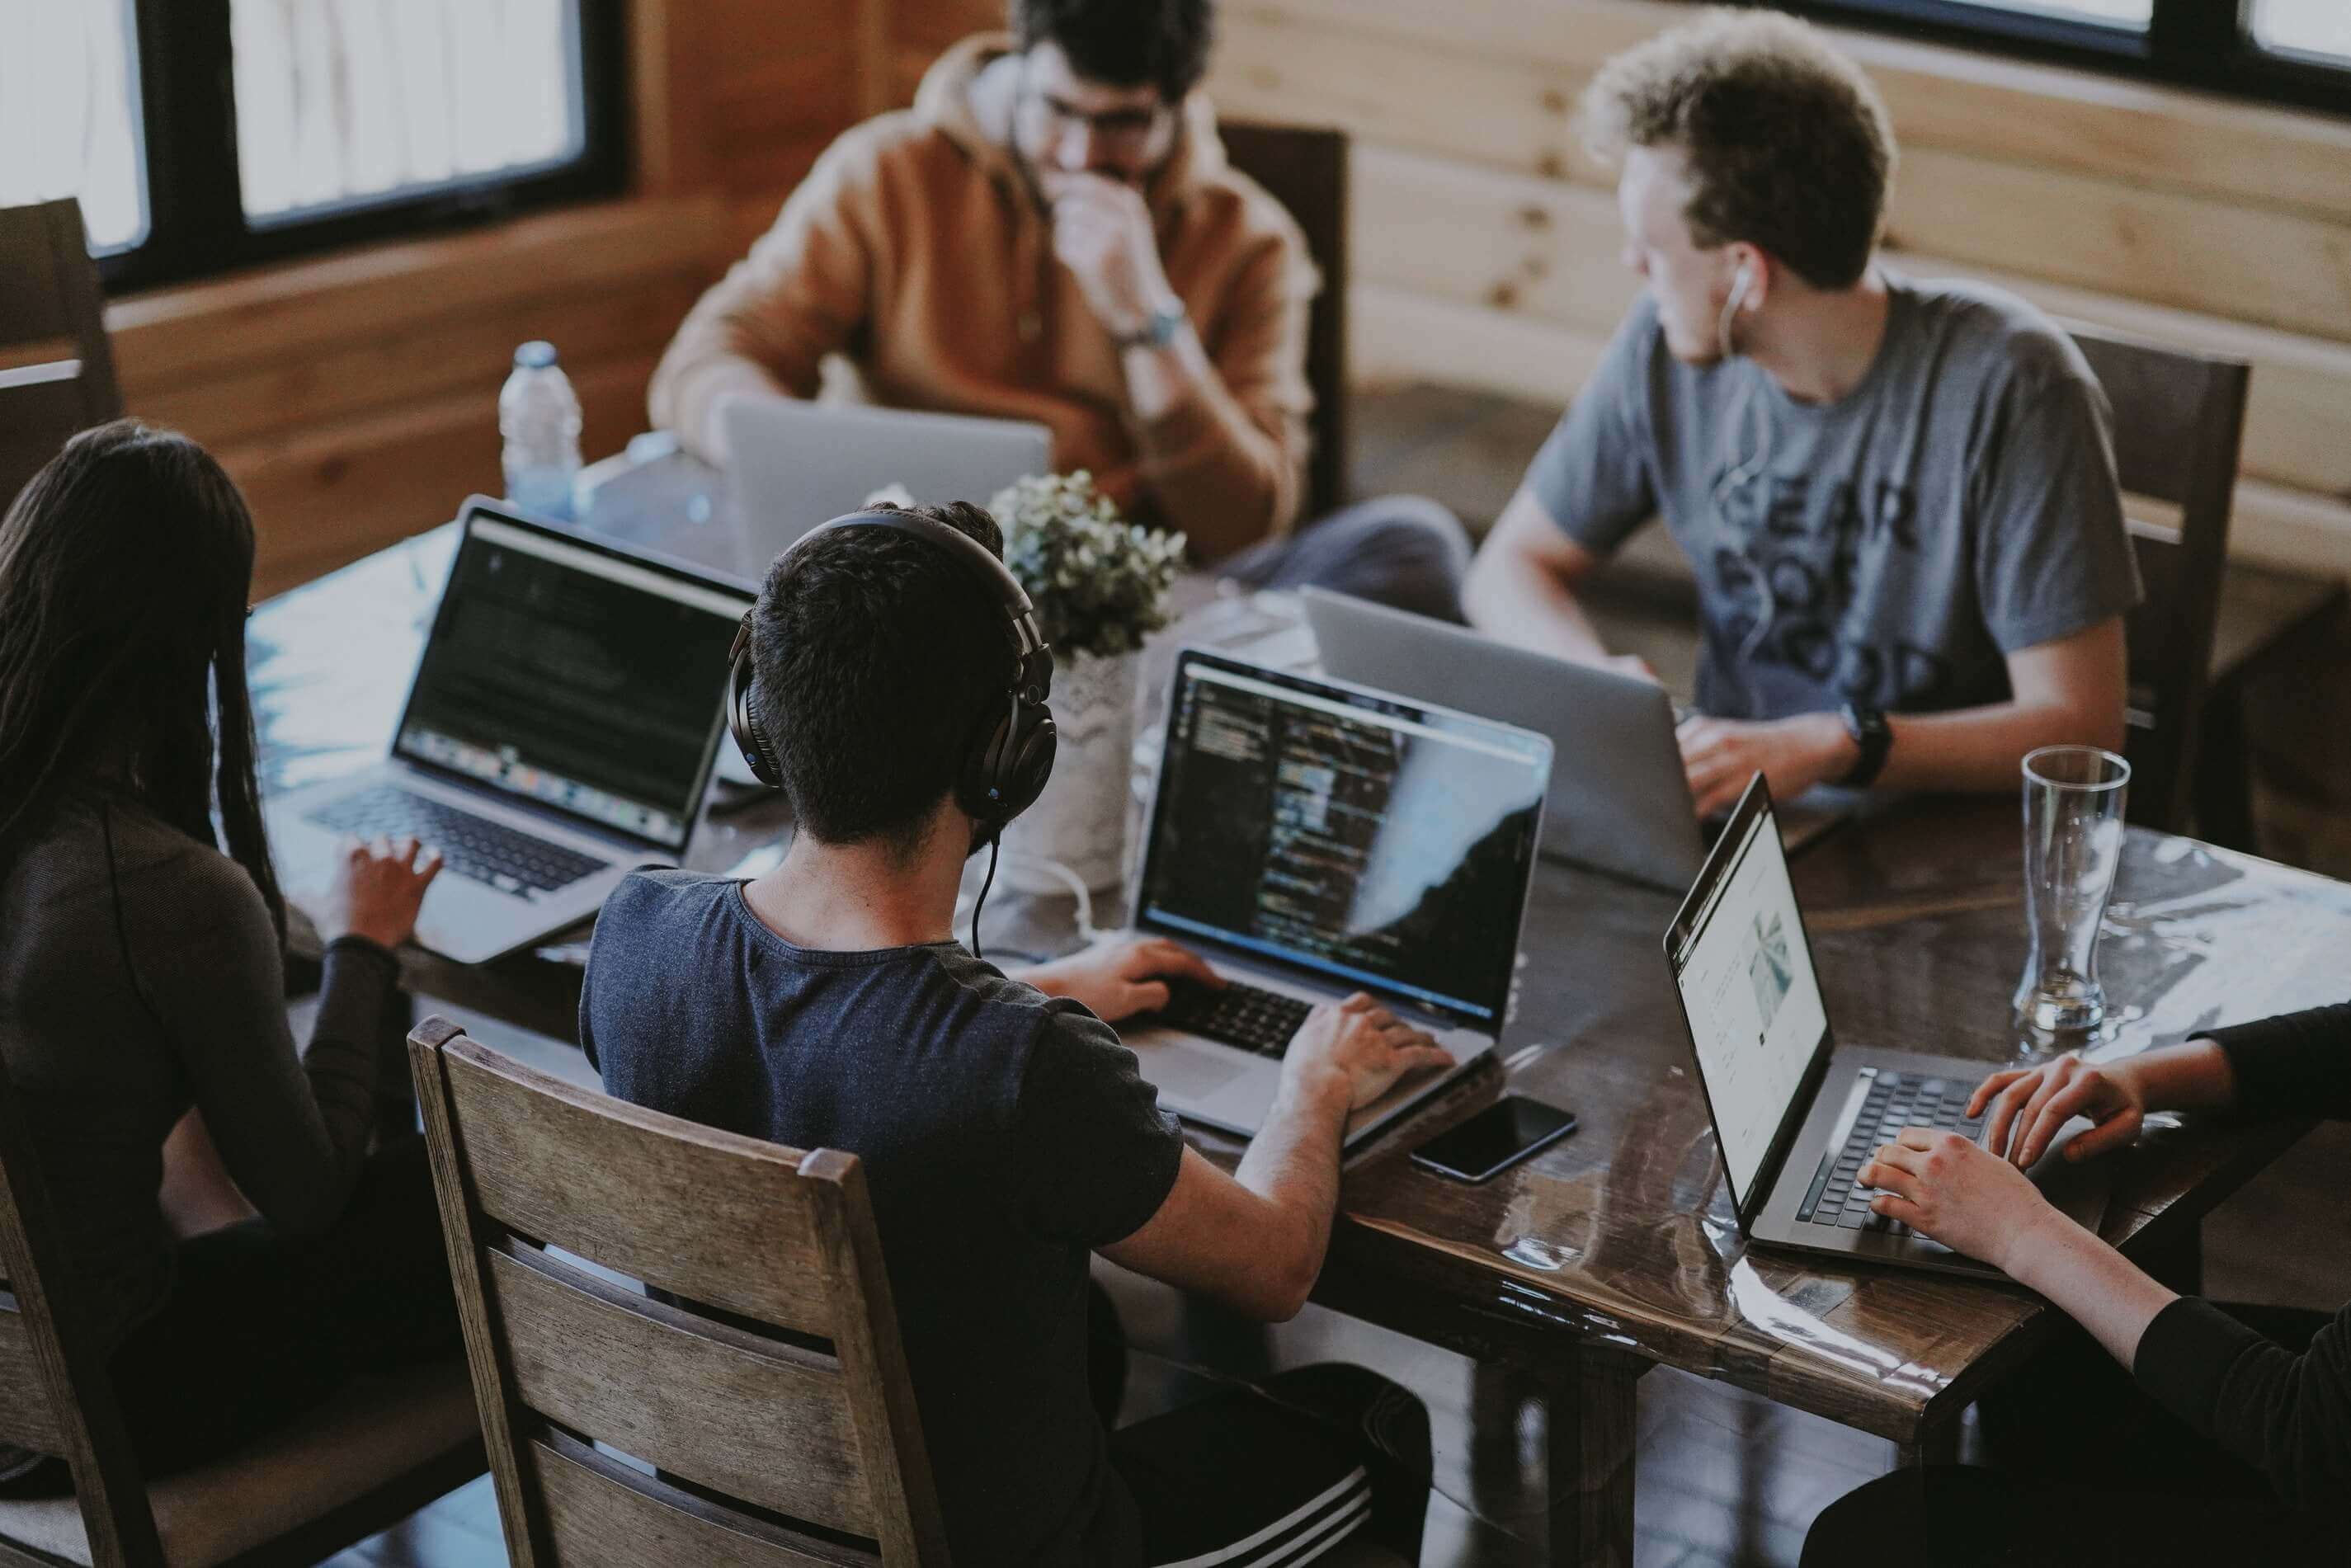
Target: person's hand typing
x,y
1358,1049
1949,1187
1101,233
1720,755
377,889
2029,1105
1119,979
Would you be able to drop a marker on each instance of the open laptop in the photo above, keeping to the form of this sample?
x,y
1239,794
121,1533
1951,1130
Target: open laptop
x,y
793,465
1314,840
559,732
1796,1114
1619,798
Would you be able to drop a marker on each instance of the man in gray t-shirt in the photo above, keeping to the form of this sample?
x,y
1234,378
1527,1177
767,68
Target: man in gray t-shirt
x,y
1898,498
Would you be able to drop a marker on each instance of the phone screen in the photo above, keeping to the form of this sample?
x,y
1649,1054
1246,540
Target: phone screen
x,y
1496,1138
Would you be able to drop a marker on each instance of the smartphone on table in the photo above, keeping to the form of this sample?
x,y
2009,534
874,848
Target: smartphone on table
x,y
1511,1129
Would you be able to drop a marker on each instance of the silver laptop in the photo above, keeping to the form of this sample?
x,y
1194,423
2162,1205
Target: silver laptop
x,y
1314,840
1797,1114
794,465
559,732
1619,798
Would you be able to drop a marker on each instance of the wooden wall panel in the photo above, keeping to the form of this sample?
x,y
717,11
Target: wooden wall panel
x,y
355,397
1486,238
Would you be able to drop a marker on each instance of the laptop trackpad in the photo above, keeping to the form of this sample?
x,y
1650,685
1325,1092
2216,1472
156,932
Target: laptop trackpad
x,y
1176,1068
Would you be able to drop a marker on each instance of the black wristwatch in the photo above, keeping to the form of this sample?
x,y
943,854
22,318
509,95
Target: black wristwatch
x,y
1870,732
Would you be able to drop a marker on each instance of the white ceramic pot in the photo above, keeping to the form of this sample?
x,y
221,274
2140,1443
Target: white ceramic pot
x,y
1080,819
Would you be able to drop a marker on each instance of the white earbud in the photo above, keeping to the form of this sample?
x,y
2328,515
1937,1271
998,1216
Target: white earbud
x,y
1743,280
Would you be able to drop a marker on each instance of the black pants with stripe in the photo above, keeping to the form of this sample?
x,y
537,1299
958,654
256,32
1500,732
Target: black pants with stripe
x,y
1269,1476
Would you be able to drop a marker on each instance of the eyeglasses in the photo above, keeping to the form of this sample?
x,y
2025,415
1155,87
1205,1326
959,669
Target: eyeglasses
x,y
1125,128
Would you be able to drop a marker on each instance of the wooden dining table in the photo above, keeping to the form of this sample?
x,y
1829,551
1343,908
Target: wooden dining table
x,y
1616,1249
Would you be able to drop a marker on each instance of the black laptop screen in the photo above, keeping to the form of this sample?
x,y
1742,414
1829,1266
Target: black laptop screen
x,y
1372,840
574,678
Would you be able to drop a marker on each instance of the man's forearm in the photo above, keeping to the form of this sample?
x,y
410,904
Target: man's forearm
x,y
1293,1164
1213,472
1983,749
1522,603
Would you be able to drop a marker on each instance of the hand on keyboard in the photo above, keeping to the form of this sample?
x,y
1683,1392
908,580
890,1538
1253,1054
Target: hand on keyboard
x,y
376,890
1356,1048
1947,1186
1121,977
2026,1108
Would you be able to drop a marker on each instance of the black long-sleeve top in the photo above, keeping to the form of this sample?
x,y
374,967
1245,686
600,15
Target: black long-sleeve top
x,y
2289,1415
140,976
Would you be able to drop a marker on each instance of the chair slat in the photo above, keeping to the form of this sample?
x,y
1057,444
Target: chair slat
x,y
707,1214
763,1422
26,1417
601,1514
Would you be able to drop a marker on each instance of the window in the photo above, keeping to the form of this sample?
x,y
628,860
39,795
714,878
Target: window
x,y
2314,30
203,137
69,115
2286,51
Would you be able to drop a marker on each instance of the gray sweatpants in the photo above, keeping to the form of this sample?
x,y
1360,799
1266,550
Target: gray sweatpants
x,y
1406,551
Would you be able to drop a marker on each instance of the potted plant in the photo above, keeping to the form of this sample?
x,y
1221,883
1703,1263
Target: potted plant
x,y
1100,586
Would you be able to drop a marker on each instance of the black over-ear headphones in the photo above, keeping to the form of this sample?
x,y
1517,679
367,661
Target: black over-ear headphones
x,y
1002,775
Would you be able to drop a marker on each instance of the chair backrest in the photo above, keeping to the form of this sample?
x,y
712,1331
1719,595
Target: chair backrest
x,y
757,1383
56,1396
1305,169
57,367
2178,420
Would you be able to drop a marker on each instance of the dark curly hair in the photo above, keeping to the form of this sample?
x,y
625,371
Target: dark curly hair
x,y
879,659
1789,146
1124,42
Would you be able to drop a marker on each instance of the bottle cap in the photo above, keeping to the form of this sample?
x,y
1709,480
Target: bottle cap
x,y
535,355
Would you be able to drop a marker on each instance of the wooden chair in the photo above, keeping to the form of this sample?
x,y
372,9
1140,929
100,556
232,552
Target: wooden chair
x,y
768,1427
373,1456
1305,169
2178,419
57,367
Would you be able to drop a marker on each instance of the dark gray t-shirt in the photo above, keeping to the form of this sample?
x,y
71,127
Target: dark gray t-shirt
x,y
1005,1136
1890,549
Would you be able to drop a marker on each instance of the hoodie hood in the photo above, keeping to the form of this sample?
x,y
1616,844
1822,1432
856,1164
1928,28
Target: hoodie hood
x,y
968,93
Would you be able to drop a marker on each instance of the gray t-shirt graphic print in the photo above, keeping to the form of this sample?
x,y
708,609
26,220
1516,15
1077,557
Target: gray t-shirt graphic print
x,y
1957,506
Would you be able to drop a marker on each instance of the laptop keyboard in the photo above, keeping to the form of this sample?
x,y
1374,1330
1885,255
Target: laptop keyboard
x,y
1896,1101
506,858
1237,1015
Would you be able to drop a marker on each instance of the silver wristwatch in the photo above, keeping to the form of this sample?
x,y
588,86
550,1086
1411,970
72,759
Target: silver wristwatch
x,y
1161,329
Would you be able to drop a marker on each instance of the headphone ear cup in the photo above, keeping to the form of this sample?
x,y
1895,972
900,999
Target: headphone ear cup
x,y
1032,762
742,722
1006,773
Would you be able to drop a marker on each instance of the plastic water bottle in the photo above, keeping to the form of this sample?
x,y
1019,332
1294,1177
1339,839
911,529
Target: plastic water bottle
x,y
538,414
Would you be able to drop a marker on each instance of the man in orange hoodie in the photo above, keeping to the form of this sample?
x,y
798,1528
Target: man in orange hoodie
x,y
1052,233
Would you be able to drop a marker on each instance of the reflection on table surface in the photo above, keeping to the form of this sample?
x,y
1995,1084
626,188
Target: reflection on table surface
x,y
1620,1235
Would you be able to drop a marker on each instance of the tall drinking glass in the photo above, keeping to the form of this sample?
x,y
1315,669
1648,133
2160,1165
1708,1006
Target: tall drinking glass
x,y
2073,841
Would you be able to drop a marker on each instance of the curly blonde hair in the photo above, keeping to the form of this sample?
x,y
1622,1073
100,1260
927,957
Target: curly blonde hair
x,y
1789,146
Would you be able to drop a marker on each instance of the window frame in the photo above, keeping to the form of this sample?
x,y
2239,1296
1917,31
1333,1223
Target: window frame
x,y
196,224
2195,43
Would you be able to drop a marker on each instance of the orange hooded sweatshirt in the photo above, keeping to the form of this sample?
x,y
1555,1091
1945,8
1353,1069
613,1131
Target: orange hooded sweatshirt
x,y
918,248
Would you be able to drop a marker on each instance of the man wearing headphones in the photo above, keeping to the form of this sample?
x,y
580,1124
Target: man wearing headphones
x,y
1898,497
891,681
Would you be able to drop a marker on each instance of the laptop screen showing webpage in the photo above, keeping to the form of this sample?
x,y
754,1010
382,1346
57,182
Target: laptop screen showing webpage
x,y
1373,842
1756,1017
575,679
